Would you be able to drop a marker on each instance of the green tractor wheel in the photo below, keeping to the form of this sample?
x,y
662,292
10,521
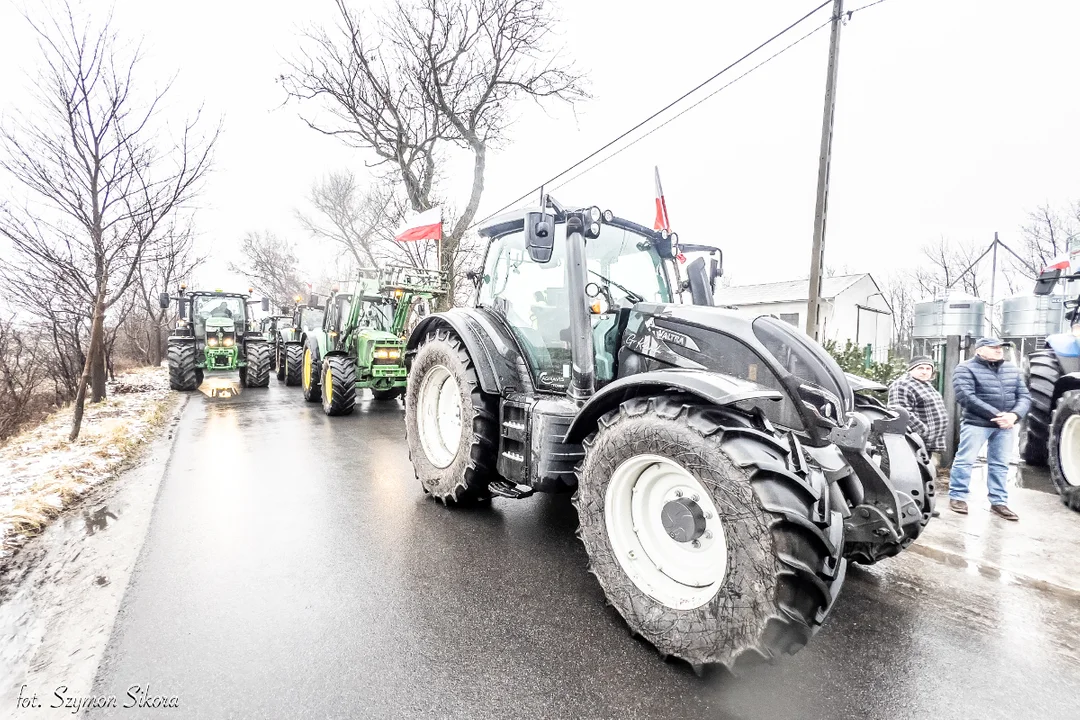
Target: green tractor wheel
x,y
294,364
338,385
309,376
390,394
257,372
183,375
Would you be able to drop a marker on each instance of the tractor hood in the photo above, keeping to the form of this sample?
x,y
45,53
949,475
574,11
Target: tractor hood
x,y
220,322
379,336
764,350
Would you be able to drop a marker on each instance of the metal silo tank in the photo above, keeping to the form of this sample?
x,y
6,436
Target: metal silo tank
x,y
1032,316
954,314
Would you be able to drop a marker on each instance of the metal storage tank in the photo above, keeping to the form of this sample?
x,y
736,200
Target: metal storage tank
x,y
1026,320
955,314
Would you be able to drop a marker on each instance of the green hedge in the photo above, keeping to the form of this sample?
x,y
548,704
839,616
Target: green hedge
x,y
853,359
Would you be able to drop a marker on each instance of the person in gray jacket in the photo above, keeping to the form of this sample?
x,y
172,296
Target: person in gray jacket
x,y
994,398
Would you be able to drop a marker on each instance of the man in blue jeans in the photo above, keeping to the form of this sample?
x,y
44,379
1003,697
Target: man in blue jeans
x,y
994,398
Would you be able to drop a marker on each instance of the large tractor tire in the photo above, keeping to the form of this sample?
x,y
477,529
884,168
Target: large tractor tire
x,y
451,426
391,394
183,375
868,553
310,375
257,372
338,385
279,363
294,364
705,534
1065,448
1043,371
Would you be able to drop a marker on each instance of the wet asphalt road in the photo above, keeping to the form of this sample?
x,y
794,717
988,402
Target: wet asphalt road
x,y
294,569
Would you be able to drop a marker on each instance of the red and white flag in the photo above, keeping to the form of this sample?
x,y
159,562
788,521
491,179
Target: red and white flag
x,y
662,221
1062,262
425,226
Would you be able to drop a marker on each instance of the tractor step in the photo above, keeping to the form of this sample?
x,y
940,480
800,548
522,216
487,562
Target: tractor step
x,y
510,490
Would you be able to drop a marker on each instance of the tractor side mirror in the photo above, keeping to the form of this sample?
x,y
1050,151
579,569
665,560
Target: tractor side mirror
x,y
539,236
266,304
716,270
701,284
163,300
1047,280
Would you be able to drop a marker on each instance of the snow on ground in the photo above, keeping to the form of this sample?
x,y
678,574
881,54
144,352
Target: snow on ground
x,y
41,472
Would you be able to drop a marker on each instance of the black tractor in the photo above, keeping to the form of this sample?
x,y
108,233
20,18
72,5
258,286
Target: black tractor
x,y
723,468
1051,431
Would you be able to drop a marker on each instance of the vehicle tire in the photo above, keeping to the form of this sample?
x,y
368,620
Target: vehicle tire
x,y
310,374
451,425
258,365
768,562
294,364
391,394
279,363
338,385
866,553
1043,371
182,370
1065,448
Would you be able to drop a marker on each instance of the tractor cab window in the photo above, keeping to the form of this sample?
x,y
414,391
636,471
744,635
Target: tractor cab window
x,y
339,312
377,314
533,298
311,319
207,306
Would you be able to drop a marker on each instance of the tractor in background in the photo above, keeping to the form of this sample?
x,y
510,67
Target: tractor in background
x,y
362,341
1050,434
271,327
723,469
291,337
215,331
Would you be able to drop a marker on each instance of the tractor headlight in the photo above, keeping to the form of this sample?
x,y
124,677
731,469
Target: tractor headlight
x,y
212,342
228,342
387,354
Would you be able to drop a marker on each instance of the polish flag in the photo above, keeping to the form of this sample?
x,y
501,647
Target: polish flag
x,y
1061,262
662,221
425,226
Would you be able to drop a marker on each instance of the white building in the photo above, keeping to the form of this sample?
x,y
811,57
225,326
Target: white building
x,y
853,308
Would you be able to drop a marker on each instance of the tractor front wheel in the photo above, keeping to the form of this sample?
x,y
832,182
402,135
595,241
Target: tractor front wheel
x,y
258,365
450,423
279,363
182,370
706,534
338,385
294,364
1065,448
1043,371
309,377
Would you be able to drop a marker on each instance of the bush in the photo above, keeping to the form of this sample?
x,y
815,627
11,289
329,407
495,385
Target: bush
x,y
852,359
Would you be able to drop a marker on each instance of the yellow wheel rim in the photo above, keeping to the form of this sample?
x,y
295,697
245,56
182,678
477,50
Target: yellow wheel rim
x,y
307,369
328,387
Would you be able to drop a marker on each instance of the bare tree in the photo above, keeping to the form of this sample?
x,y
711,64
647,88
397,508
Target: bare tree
x,y
100,180
174,262
353,218
23,369
271,266
1048,233
426,78
898,290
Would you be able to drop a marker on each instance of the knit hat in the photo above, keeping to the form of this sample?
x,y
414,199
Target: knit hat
x,y
920,360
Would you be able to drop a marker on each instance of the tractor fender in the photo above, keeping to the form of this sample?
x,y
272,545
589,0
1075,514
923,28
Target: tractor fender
x,y
1066,383
711,387
490,345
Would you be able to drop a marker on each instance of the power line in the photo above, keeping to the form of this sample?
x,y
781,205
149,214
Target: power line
x,y
699,102
653,116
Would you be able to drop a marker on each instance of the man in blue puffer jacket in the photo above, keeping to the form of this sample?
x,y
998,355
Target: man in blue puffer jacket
x,y
994,398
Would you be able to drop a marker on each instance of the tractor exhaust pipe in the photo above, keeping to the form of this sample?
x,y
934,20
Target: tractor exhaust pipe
x,y
583,375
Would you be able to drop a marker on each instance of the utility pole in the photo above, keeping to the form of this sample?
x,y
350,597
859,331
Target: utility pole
x,y
817,256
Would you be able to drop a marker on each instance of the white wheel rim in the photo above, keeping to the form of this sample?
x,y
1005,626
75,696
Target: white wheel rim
x,y
1069,450
648,498
438,418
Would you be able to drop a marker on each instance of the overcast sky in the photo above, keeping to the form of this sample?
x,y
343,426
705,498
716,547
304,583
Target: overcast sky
x,y
953,118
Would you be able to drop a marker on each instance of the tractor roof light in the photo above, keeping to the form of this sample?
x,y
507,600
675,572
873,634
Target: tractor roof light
x,y
608,216
593,215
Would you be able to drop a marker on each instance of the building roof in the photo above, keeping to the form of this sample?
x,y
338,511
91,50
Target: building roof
x,y
787,291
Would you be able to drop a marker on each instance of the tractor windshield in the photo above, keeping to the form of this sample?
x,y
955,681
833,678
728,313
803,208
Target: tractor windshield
x,y
311,318
377,315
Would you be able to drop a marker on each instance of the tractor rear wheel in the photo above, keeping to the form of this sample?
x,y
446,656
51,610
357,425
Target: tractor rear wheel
x,y
309,376
258,365
450,423
1043,371
338,385
294,364
705,534
1065,448
391,394
182,370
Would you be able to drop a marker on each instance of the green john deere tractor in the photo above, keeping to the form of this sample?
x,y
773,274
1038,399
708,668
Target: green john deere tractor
x,y
291,336
1050,434
215,330
362,341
